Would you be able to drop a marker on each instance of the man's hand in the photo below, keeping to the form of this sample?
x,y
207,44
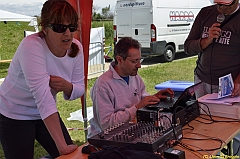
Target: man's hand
x,y
214,31
236,90
154,99
148,100
163,94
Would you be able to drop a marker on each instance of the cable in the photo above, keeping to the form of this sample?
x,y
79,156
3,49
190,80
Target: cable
x,y
214,139
210,116
188,147
190,127
237,151
200,149
184,146
171,125
213,42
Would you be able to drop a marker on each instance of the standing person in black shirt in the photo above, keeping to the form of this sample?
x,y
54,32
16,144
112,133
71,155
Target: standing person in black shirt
x,y
218,47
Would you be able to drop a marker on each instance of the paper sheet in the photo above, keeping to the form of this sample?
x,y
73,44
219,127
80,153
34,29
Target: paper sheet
x,y
213,98
77,115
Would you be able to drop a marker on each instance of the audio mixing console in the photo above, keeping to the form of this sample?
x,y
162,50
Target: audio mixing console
x,y
143,136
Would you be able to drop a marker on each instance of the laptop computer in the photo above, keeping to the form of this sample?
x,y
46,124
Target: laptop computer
x,y
179,100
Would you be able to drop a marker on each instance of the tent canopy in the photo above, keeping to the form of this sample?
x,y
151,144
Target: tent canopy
x,y
9,16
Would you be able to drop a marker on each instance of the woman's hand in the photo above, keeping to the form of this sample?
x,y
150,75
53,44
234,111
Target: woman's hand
x,y
59,84
67,150
53,125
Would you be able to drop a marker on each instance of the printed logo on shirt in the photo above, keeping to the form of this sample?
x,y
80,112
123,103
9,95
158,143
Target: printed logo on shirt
x,y
136,92
224,37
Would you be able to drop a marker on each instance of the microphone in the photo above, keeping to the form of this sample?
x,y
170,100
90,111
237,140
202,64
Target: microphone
x,y
220,18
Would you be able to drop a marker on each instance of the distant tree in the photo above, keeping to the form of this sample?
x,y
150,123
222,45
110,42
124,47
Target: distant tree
x,y
95,15
110,15
106,13
95,8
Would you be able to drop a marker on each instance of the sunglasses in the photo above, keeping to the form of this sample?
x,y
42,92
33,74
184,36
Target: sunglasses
x,y
227,4
61,28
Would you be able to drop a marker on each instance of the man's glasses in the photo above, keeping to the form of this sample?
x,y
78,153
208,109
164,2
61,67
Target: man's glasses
x,y
227,4
61,28
135,62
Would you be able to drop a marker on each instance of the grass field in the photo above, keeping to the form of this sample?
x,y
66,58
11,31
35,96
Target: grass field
x,y
10,36
176,70
12,33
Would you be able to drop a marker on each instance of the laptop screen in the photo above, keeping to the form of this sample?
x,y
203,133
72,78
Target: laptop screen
x,y
188,94
179,101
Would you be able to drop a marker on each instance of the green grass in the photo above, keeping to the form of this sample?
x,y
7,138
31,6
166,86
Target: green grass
x,y
10,36
176,70
108,26
12,33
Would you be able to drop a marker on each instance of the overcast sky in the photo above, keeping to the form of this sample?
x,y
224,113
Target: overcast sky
x,y
33,7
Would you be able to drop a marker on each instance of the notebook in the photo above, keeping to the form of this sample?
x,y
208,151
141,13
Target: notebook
x,y
179,99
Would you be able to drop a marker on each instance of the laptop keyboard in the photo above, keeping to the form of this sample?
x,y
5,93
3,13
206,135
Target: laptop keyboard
x,y
165,103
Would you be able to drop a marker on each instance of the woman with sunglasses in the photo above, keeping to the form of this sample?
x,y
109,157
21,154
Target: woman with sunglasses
x,y
44,64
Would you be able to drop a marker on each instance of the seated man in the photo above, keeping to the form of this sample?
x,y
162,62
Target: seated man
x,y
120,92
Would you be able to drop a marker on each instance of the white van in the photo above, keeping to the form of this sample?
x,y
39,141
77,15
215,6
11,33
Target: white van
x,y
161,26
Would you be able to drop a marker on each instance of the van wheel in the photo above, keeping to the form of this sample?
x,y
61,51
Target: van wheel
x,y
169,54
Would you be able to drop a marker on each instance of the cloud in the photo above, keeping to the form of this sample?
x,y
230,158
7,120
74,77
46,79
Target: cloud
x,y
30,9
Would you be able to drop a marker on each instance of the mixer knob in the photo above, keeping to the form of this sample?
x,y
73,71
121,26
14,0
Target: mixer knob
x,y
119,137
106,132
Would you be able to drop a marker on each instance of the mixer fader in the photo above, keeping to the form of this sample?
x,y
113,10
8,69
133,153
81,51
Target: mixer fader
x,y
144,136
